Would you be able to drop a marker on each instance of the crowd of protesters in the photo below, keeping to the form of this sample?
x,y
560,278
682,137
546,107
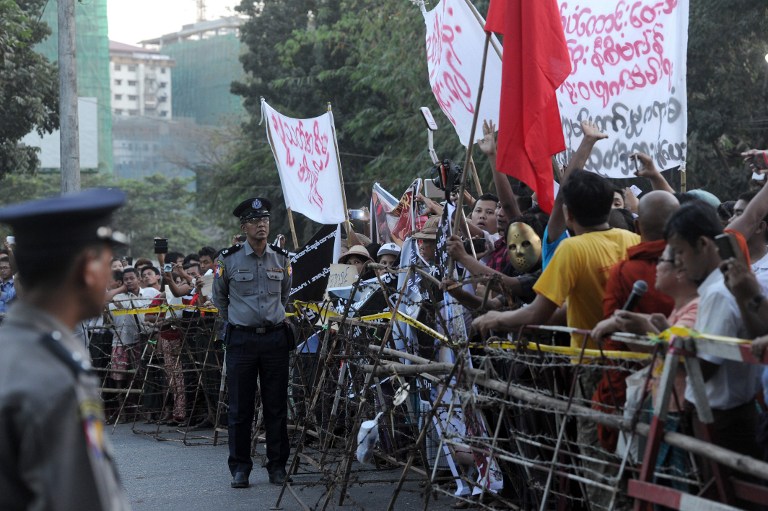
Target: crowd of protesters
x,y
515,266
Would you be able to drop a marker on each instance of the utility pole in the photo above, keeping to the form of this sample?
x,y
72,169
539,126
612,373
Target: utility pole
x,y
69,130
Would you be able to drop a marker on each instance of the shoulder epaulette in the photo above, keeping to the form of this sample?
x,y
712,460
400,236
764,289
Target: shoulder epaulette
x,y
281,251
231,250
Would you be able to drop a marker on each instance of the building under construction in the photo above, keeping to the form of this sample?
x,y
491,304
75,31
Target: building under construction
x,y
92,66
207,62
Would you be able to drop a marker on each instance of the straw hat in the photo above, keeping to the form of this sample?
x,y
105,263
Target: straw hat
x,y
356,250
429,231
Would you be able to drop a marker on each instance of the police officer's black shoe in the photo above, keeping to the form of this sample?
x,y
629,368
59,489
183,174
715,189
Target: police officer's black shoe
x,y
278,476
240,480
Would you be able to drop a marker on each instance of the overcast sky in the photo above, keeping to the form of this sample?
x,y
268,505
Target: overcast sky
x,y
131,21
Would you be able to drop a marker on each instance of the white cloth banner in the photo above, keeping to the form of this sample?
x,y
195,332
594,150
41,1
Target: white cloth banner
x,y
305,154
629,65
455,40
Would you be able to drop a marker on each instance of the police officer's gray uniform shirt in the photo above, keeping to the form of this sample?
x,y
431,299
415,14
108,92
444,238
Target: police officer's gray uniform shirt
x,y
252,290
54,454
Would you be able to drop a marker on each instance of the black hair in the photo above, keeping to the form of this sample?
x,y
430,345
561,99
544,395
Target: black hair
x,y
537,221
190,258
621,218
150,267
172,257
130,269
588,197
207,251
192,263
488,197
693,220
35,268
725,209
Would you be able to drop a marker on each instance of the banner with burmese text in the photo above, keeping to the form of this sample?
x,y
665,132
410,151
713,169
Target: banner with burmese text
x,y
305,154
629,66
455,40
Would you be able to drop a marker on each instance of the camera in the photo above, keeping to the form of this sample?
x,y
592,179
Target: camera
x,y
241,238
167,268
479,244
446,175
161,245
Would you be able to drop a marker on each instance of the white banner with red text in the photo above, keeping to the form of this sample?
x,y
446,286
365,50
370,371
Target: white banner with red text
x,y
305,154
629,66
455,39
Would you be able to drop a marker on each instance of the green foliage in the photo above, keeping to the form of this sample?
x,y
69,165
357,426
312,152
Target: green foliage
x,y
727,91
367,58
156,206
28,84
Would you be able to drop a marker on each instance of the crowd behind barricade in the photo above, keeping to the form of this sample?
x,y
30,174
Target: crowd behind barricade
x,y
703,265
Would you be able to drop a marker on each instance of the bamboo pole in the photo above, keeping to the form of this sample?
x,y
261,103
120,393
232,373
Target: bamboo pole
x,y
740,462
347,223
463,182
481,21
475,177
293,229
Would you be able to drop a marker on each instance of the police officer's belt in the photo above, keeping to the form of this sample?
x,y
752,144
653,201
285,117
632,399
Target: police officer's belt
x,y
257,329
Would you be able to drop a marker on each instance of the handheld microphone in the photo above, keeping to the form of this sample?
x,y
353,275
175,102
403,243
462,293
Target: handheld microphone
x,y
639,288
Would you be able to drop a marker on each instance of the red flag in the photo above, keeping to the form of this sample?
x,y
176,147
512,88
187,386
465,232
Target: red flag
x,y
535,63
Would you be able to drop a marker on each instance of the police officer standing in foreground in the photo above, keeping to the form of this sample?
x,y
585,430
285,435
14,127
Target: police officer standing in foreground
x,y
250,289
53,452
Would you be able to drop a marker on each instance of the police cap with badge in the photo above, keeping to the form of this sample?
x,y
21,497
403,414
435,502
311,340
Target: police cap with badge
x,y
51,228
249,209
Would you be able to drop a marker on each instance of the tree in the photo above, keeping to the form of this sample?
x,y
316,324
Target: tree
x,y
156,206
367,58
28,84
727,93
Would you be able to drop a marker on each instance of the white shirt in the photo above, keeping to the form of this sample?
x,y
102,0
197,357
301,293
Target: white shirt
x,y
734,383
760,269
127,328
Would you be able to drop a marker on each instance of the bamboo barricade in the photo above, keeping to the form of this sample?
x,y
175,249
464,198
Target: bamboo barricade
x,y
501,409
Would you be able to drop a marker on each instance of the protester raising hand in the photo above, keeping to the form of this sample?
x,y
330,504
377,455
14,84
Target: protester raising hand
x,y
648,170
757,160
488,143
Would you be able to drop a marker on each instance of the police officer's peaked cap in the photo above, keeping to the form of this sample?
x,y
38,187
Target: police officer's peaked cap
x,y
257,207
70,221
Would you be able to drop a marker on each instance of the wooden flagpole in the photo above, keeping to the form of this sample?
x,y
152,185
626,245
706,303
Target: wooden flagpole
x,y
293,229
475,177
347,223
463,182
480,20
290,213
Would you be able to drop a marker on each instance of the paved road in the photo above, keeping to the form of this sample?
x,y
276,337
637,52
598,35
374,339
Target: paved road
x,y
168,475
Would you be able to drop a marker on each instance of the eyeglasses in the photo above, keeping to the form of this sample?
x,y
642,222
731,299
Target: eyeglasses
x,y
257,221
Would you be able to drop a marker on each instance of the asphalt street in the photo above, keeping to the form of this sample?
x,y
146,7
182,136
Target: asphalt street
x,y
169,475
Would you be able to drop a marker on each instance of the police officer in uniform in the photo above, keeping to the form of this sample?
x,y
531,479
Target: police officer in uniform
x,y
53,451
250,289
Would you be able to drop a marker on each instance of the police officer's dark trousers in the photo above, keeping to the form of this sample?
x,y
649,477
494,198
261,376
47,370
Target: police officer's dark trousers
x,y
251,356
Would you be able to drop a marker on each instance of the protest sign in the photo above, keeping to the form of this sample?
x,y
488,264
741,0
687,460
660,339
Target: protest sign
x,y
628,77
305,154
404,219
455,40
311,264
382,202
342,275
